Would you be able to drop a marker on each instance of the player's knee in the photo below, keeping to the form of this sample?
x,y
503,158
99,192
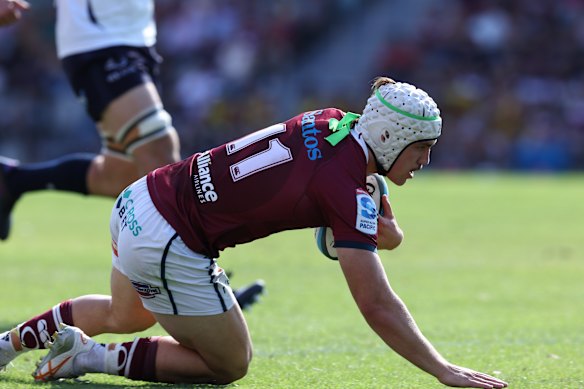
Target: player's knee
x,y
236,370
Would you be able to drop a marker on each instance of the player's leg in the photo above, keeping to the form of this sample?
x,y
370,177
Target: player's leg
x,y
120,313
131,119
221,343
137,125
201,349
68,173
124,103
187,291
197,351
138,137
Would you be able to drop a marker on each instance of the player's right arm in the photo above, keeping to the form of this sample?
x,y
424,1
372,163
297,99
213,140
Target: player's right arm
x,y
11,11
388,316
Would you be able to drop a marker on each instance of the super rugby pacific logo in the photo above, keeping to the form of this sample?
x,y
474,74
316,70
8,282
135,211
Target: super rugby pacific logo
x,y
309,132
202,180
145,291
366,221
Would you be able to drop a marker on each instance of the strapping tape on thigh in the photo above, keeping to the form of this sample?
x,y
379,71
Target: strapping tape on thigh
x,y
143,128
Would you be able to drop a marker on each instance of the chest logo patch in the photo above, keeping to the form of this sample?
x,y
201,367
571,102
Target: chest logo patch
x,y
366,213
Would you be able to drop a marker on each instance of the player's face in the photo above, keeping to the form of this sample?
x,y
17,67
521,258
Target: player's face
x,y
414,157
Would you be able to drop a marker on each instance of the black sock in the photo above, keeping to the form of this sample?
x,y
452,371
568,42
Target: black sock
x,y
68,173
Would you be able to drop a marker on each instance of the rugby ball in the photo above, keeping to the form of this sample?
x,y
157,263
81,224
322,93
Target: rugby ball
x,y
325,241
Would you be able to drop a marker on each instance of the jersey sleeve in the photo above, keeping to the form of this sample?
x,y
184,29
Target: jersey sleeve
x,y
349,211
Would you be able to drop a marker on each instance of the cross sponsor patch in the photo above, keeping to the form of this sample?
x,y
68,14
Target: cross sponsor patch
x,y
366,213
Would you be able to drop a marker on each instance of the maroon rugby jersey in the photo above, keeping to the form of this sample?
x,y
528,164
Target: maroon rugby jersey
x,y
286,176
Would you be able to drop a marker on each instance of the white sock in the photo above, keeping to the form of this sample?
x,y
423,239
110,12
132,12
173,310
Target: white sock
x,y
112,358
7,349
91,361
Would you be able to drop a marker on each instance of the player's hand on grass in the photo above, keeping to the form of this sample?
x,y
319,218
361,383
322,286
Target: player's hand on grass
x,y
390,235
462,377
11,11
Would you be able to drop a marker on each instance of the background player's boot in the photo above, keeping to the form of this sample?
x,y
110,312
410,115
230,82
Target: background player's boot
x,y
248,295
7,200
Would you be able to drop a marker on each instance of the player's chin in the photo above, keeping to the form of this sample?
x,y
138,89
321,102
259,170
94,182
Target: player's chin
x,y
399,181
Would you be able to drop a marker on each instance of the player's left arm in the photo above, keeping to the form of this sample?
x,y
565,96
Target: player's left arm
x,y
389,234
11,10
389,317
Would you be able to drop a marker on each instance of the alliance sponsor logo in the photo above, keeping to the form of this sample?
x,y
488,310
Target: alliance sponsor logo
x,y
144,290
309,134
203,181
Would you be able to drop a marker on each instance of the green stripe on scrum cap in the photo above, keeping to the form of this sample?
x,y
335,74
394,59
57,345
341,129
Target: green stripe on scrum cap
x,y
396,109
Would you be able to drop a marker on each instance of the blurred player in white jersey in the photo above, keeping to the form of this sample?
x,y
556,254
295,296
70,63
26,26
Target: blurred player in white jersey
x,y
107,50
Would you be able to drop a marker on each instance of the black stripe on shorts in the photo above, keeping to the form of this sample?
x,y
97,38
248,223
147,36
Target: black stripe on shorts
x,y
163,273
216,286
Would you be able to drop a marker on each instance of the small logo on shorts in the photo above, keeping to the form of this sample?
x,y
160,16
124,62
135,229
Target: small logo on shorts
x,y
145,291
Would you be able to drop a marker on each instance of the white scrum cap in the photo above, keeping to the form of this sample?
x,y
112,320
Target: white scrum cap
x,y
396,115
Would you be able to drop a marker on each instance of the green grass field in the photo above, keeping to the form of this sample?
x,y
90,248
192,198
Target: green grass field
x,y
491,269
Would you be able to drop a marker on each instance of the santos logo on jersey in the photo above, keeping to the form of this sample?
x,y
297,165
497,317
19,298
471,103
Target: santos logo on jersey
x,y
309,134
366,213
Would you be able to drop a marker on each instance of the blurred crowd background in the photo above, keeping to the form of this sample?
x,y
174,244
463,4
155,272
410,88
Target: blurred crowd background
x,y
508,75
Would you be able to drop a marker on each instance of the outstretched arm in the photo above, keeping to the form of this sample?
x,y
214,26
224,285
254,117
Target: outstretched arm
x,y
390,319
11,11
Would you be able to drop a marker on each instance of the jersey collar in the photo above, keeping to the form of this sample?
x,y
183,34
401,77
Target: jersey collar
x,y
357,136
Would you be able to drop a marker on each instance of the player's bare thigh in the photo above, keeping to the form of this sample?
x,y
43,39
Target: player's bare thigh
x,y
124,109
128,313
109,174
222,341
122,312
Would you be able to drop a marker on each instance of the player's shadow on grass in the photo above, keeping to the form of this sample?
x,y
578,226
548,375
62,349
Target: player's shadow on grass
x,y
70,384
85,384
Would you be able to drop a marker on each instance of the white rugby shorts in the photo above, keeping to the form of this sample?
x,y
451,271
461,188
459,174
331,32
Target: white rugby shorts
x,y
169,277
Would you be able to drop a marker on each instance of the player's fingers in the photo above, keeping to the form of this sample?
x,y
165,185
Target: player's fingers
x,y
386,206
11,11
486,381
21,4
496,382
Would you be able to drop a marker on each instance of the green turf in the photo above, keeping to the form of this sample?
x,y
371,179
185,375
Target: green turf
x,y
491,269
